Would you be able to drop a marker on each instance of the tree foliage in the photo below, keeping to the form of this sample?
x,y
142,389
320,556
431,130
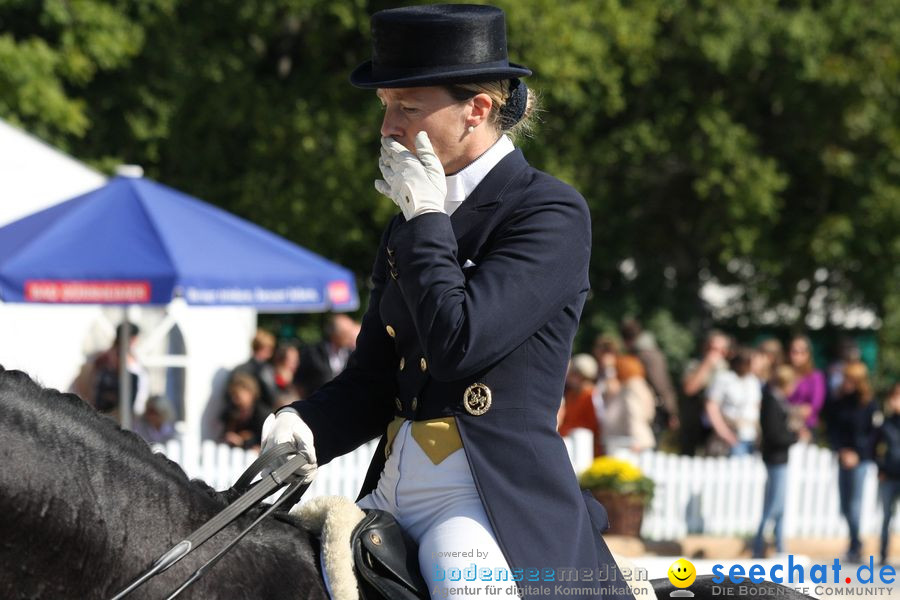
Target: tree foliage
x,y
750,142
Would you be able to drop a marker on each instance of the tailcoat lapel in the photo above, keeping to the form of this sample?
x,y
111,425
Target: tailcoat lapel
x,y
484,200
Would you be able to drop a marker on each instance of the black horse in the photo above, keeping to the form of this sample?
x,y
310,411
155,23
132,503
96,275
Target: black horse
x,y
86,507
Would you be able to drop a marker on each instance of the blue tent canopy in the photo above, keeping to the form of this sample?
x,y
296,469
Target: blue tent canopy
x,y
134,241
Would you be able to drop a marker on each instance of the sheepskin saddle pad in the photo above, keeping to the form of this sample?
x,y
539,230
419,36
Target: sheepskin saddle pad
x,y
365,555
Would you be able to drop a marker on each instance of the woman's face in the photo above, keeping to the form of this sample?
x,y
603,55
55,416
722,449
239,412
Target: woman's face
x,y
407,111
243,398
799,353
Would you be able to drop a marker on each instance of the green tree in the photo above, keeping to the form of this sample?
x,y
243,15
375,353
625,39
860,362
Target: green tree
x,y
52,51
750,142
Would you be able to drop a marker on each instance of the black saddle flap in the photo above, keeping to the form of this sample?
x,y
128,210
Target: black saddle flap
x,y
387,558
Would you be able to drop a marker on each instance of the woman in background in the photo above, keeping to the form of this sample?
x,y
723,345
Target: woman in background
x,y
577,410
628,418
810,392
853,414
777,438
244,416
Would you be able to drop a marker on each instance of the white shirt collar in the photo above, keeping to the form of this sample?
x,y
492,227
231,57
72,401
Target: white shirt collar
x,y
461,184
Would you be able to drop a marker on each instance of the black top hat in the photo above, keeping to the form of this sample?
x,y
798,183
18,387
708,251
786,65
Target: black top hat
x,y
437,44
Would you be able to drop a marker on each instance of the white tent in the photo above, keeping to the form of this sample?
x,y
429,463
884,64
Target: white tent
x,y
51,343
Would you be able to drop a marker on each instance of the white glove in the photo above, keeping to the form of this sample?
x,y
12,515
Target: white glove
x,y
288,427
415,182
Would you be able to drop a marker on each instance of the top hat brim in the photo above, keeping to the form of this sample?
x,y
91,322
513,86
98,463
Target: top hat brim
x,y
364,76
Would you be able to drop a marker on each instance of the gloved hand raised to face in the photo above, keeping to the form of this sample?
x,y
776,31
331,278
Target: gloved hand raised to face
x,y
287,427
415,182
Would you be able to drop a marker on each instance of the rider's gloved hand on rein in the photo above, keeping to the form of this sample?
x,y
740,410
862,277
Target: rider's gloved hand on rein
x,y
287,427
415,182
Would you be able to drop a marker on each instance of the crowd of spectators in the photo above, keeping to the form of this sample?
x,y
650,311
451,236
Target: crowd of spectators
x,y
732,400
277,374
738,400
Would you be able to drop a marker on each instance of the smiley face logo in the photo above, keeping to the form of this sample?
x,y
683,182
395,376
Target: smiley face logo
x,y
682,573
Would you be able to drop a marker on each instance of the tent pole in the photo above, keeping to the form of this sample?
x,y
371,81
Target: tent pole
x,y
124,376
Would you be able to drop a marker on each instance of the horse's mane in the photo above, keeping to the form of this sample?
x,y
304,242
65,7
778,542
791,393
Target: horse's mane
x,y
32,403
84,506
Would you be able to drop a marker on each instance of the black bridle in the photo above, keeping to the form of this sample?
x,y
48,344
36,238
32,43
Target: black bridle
x,y
266,486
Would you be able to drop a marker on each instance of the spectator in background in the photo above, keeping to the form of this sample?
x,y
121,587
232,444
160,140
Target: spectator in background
x,y
852,420
103,377
577,409
260,367
776,441
323,361
887,457
157,424
810,391
606,352
243,416
698,374
285,363
629,414
732,406
643,345
768,357
847,352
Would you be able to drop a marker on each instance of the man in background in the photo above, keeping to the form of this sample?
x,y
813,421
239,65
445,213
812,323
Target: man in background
x,y
697,377
321,362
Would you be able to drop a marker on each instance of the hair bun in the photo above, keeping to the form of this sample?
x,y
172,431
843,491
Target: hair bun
x,y
514,109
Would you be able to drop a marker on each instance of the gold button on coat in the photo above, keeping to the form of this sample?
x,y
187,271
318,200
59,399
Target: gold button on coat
x,y
398,404
423,365
402,363
415,403
390,331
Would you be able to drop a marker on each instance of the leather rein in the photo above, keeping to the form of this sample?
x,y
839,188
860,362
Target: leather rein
x,y
250,497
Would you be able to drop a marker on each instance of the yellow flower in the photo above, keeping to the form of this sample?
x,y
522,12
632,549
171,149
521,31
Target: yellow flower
x,y
617,475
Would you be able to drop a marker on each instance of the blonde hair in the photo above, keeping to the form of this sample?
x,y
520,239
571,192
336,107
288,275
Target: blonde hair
x,y
262,339
784,377
499,92
809,366
244,381
858,374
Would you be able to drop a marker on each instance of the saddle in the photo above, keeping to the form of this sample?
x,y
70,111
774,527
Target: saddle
x,y
386,560
365,555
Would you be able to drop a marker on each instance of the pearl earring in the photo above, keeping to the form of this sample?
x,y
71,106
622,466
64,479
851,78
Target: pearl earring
x,y
471,128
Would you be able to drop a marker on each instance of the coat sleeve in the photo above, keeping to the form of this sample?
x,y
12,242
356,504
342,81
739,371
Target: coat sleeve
x,y
356,406
535,266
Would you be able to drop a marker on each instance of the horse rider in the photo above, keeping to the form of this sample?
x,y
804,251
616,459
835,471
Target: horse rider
x,y
460,364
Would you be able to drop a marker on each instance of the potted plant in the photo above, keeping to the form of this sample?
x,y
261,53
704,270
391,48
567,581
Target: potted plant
x,y
622,489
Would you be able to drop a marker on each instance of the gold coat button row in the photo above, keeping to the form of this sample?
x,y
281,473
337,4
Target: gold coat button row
x,y
390,331
423,365
415,403
402,363
398,403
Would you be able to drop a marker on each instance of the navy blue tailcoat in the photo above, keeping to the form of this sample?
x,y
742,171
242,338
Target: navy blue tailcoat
x,y
489,295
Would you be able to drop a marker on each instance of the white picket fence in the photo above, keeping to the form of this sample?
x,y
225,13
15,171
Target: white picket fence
x,y
717,496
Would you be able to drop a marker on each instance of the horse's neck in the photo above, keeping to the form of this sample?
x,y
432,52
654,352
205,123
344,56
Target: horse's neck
x,y
83,506
69,494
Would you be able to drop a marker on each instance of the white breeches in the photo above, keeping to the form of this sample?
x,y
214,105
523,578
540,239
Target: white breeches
x,y
438,505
